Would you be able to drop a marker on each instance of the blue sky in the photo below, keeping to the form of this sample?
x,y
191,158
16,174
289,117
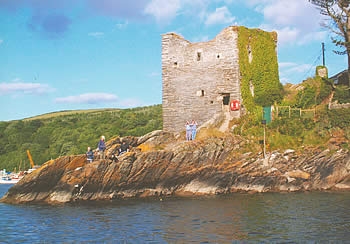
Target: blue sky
x,y
87,54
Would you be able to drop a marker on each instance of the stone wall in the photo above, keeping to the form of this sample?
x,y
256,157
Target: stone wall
x,y
336,105
199,79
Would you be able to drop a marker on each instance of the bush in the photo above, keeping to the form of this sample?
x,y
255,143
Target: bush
x,y
306,98
339,118
342,94
315,91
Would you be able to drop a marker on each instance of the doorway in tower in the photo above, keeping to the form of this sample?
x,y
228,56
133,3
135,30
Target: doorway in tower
x,y
225,101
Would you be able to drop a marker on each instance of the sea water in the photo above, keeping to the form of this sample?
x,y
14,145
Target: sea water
x,y
310,217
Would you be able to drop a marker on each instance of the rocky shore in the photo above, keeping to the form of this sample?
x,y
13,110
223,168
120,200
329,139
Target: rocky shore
x,y
160,164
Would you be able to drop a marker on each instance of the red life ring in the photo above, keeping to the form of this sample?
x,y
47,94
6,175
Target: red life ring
x,y
234,105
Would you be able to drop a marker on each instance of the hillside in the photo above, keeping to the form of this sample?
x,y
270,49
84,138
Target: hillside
x,y
70,132
71,112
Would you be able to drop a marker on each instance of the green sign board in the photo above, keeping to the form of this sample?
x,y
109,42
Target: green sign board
x,y
267,114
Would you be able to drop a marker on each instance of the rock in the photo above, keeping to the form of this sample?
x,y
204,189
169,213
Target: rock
x,y
298,174
342,186
165,166
288,151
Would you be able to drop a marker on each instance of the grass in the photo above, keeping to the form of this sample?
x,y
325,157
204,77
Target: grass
x,y
209,132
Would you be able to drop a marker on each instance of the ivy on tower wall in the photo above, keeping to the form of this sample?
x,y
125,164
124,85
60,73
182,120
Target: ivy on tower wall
x,y
260,85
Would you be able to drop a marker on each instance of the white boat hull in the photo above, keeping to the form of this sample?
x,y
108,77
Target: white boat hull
x,y
8,181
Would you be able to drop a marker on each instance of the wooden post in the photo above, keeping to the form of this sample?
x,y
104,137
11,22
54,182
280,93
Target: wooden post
x,y
264,150
315,113
265,141
289,111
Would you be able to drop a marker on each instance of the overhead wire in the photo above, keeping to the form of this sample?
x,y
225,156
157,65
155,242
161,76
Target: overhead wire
x,y
308,72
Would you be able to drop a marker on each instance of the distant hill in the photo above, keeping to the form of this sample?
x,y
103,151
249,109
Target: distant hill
x,y
70,112
70,132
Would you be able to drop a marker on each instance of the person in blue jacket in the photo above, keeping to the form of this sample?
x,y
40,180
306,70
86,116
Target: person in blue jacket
x,y
194,129
188,131
101,147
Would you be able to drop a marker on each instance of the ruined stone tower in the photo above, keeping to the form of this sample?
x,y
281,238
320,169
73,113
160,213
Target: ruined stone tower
x,y
200,80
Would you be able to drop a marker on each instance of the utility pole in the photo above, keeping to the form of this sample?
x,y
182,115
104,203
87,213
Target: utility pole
x,y
323,58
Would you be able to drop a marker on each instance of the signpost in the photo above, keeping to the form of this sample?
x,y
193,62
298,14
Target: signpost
x,y
263,122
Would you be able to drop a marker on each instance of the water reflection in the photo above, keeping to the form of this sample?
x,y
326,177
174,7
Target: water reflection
x,y
208,219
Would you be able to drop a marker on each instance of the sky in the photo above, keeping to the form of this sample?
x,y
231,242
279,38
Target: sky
x,y
89,54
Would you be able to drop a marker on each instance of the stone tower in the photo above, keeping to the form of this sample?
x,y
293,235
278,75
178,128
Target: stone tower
x,y
200,80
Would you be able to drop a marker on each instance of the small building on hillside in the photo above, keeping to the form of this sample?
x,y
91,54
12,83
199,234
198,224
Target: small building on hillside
x,y
202,80
341,78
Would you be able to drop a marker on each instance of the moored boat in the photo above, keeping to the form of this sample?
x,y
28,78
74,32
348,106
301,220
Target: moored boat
x,y
8,180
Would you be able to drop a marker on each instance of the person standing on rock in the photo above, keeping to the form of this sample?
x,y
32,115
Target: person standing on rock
x,y
193,129
101,147
188,131
89,155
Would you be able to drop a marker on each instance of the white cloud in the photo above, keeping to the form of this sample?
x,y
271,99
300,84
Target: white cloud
x,y
287,35
25,88
293,71
96,34
89,98
220,16
163,10
1,41
297,21
281,12
313,36
166,11
299,13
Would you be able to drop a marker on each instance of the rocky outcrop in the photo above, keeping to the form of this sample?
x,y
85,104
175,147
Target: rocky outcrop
x,y
160,164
